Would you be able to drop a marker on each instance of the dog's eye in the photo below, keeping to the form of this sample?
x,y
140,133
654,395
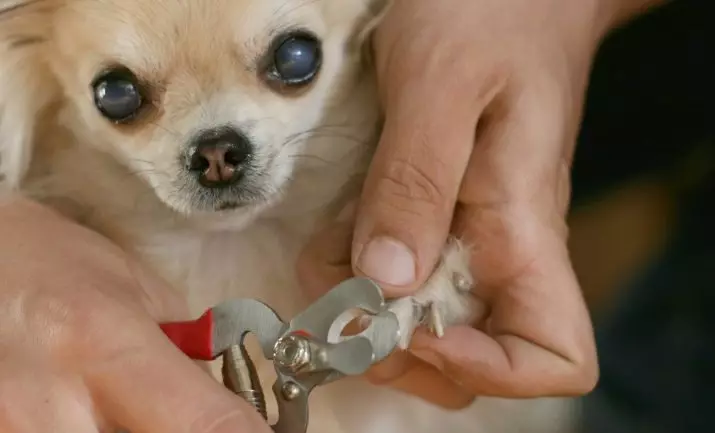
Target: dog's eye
x,y
297,59
117,95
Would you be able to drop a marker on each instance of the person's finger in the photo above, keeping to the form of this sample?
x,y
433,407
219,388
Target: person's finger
x,y
425,381
408,200
324,263
540,338
151,387
522,153
405,372
528,351
412,184
38,401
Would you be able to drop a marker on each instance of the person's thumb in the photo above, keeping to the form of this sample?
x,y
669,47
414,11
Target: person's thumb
x,y
148,385
410,192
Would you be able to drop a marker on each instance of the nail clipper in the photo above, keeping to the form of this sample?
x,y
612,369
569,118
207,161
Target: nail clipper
x,y
308,351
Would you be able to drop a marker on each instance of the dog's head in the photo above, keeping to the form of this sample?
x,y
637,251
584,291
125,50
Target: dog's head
x,y
210,102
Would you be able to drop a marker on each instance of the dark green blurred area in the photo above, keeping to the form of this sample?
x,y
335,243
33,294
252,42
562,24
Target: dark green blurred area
x,y
651,104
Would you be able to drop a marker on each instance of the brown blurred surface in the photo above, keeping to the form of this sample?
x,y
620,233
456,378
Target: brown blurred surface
x,y
613,238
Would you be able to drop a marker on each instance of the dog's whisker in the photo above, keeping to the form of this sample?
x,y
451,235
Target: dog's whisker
x,y
312,157
165,129
312,135
319,129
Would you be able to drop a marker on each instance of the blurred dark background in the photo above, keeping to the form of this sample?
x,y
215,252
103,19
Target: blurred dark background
x,y
642,222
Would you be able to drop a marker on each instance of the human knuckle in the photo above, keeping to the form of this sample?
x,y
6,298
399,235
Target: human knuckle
x,y
408,187
378,379
68,324
577,378
391,369
585,380
383,374
456,400
51,319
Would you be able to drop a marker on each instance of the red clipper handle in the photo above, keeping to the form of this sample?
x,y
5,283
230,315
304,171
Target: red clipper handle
x,y
194,337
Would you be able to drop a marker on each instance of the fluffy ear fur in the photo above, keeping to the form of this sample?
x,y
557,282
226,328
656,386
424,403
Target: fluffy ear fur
x,y
376,10
26,84
364,14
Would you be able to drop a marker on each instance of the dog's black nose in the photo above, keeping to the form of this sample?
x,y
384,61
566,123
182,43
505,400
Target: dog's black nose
x,y
218,157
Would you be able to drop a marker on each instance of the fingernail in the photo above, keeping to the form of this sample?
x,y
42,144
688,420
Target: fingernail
x,y
387,261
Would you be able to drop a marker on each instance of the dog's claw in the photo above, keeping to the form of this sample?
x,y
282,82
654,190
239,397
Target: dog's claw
x,y
445,300
435,321
430,317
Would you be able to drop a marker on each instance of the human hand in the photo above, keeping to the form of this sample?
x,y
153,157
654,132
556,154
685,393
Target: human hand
x,y
80,349
483,102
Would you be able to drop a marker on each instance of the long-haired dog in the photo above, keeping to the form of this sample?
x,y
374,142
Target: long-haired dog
x,y
210,139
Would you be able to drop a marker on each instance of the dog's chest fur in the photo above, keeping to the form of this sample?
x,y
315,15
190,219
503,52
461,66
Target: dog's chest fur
x,y
206,265
257,263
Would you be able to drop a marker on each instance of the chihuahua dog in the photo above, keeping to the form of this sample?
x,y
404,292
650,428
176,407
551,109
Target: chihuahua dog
x,y
210,139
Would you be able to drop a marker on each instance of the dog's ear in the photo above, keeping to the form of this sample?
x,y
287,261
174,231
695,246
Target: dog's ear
x,y
361,16
375,10
26,85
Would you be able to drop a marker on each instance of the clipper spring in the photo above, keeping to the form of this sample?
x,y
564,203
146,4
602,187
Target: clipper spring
x,y
240,376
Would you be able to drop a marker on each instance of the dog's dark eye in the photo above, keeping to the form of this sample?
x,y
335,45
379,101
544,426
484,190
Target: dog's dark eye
x,y
297,59
117,95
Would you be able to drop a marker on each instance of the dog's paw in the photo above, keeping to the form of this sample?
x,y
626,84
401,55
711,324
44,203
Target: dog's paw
x,y
446,299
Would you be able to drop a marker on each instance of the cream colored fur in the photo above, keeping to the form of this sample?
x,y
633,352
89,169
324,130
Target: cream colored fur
x,y
313,149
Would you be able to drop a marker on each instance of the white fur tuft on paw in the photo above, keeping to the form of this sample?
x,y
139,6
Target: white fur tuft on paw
x,y
445,300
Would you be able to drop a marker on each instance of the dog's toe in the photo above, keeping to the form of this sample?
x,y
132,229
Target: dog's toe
x,y
446,299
